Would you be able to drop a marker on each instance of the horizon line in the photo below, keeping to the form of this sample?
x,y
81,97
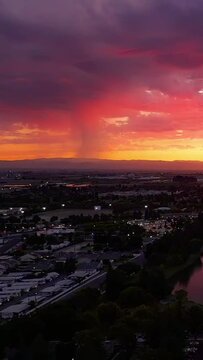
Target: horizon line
x,y
99,159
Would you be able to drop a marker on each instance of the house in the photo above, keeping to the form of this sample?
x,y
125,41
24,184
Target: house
x,y
10,311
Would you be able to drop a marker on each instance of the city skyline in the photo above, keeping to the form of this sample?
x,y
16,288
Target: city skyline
x,y
104,79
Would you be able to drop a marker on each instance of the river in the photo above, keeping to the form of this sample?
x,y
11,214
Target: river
x,y
191,280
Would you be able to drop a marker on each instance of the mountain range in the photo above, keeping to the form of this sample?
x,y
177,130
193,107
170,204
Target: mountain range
x,y
77,164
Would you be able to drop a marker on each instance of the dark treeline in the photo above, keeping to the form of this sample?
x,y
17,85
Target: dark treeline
x,y
176,247
133,317
129,315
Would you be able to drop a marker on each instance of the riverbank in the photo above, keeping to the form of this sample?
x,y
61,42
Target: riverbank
x,y
172,273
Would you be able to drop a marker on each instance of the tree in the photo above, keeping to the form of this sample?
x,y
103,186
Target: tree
x,y
134,296
70,266
108,313
54,219
40,349
153,280
143,318
116,281
145,354
181,301
195,245
194,319
89,346
36,219
129,267
86,299
124,334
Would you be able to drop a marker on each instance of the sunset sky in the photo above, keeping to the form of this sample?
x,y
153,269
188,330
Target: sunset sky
x,y
116,79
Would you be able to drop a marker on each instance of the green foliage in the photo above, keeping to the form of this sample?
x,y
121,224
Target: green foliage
x,y
134,296
124,334
40,349
86,299
70,266
130,309
108,313
195,245
67,267
89,346
129,268
115,282
194,319
118,235
176,247
153,280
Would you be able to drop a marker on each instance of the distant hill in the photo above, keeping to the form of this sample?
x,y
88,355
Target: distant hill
x,y
102,164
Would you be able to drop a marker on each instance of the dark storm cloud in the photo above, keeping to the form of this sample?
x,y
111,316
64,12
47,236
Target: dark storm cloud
x,y
96,46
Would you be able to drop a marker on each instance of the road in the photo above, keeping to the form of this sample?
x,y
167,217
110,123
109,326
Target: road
x,y
94,281
138,259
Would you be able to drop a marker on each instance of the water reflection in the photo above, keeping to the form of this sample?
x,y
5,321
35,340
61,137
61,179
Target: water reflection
x,y
191,280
